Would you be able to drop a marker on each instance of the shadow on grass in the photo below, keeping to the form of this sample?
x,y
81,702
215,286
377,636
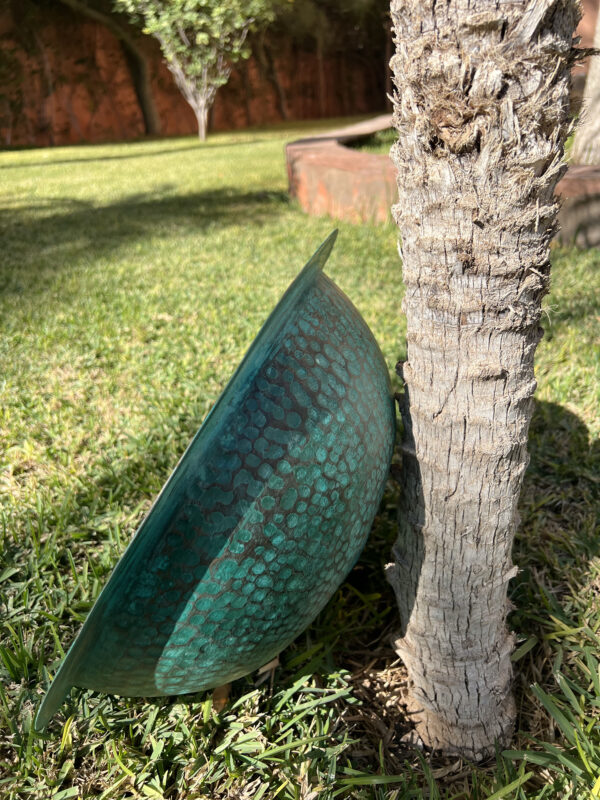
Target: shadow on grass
x,y
165,151
555,544
58,234
560,501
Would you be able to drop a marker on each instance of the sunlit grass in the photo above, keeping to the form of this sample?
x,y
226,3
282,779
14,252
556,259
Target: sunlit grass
x,y
132,280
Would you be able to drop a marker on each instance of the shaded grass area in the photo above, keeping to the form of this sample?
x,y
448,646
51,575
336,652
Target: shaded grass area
x,y
133,278
378,143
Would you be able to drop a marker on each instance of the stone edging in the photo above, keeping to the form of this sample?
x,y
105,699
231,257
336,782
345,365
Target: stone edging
x,y
328,178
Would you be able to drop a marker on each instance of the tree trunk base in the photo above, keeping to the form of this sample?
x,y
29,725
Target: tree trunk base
x,y
473,740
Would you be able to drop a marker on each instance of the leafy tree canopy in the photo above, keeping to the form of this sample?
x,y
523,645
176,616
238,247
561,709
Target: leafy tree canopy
x,y
200,41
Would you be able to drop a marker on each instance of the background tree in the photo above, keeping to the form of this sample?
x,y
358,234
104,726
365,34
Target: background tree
x,y
586,144
101,11
29,17
200,40
350,30
482,110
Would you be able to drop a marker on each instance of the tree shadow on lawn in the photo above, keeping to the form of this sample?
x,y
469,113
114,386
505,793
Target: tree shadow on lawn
x,y
195,145
59,233
556,541
560,500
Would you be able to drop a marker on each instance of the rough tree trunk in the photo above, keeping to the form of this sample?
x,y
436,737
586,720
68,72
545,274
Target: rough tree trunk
x,y
268,67
482,113
198,93
201,112
586,145
47,110
345,86
248,93
282,104
140,75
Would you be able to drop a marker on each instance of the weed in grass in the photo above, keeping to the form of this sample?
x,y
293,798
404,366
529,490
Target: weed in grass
x,y
133,279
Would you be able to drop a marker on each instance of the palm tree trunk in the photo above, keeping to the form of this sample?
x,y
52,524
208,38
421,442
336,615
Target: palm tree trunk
x,y
482,113
586,145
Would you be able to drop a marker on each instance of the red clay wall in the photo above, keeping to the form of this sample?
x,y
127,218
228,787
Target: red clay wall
x,y
67,81
70,83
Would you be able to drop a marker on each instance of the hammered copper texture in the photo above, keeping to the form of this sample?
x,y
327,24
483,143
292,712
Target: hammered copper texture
x,y
275,512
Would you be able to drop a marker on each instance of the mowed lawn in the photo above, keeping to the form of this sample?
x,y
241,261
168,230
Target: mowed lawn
x,y
132,280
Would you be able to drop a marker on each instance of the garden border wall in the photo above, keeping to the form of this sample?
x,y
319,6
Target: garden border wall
x,y
328,178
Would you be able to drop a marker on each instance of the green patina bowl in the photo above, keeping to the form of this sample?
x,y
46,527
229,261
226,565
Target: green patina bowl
x,y
263,517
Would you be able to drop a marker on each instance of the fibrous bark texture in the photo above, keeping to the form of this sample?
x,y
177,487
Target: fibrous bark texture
x,y
586,145
481,110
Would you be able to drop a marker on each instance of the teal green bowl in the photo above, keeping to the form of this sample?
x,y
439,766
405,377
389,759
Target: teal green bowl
x,y
261,520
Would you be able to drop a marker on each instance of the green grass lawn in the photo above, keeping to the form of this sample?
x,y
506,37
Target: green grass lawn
x,y
378,143
132,279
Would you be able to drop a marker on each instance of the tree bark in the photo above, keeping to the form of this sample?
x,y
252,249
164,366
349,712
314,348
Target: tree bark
x,y
274,78
481,111
267,65
140,74
136,61
201,112
344,86
586,145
